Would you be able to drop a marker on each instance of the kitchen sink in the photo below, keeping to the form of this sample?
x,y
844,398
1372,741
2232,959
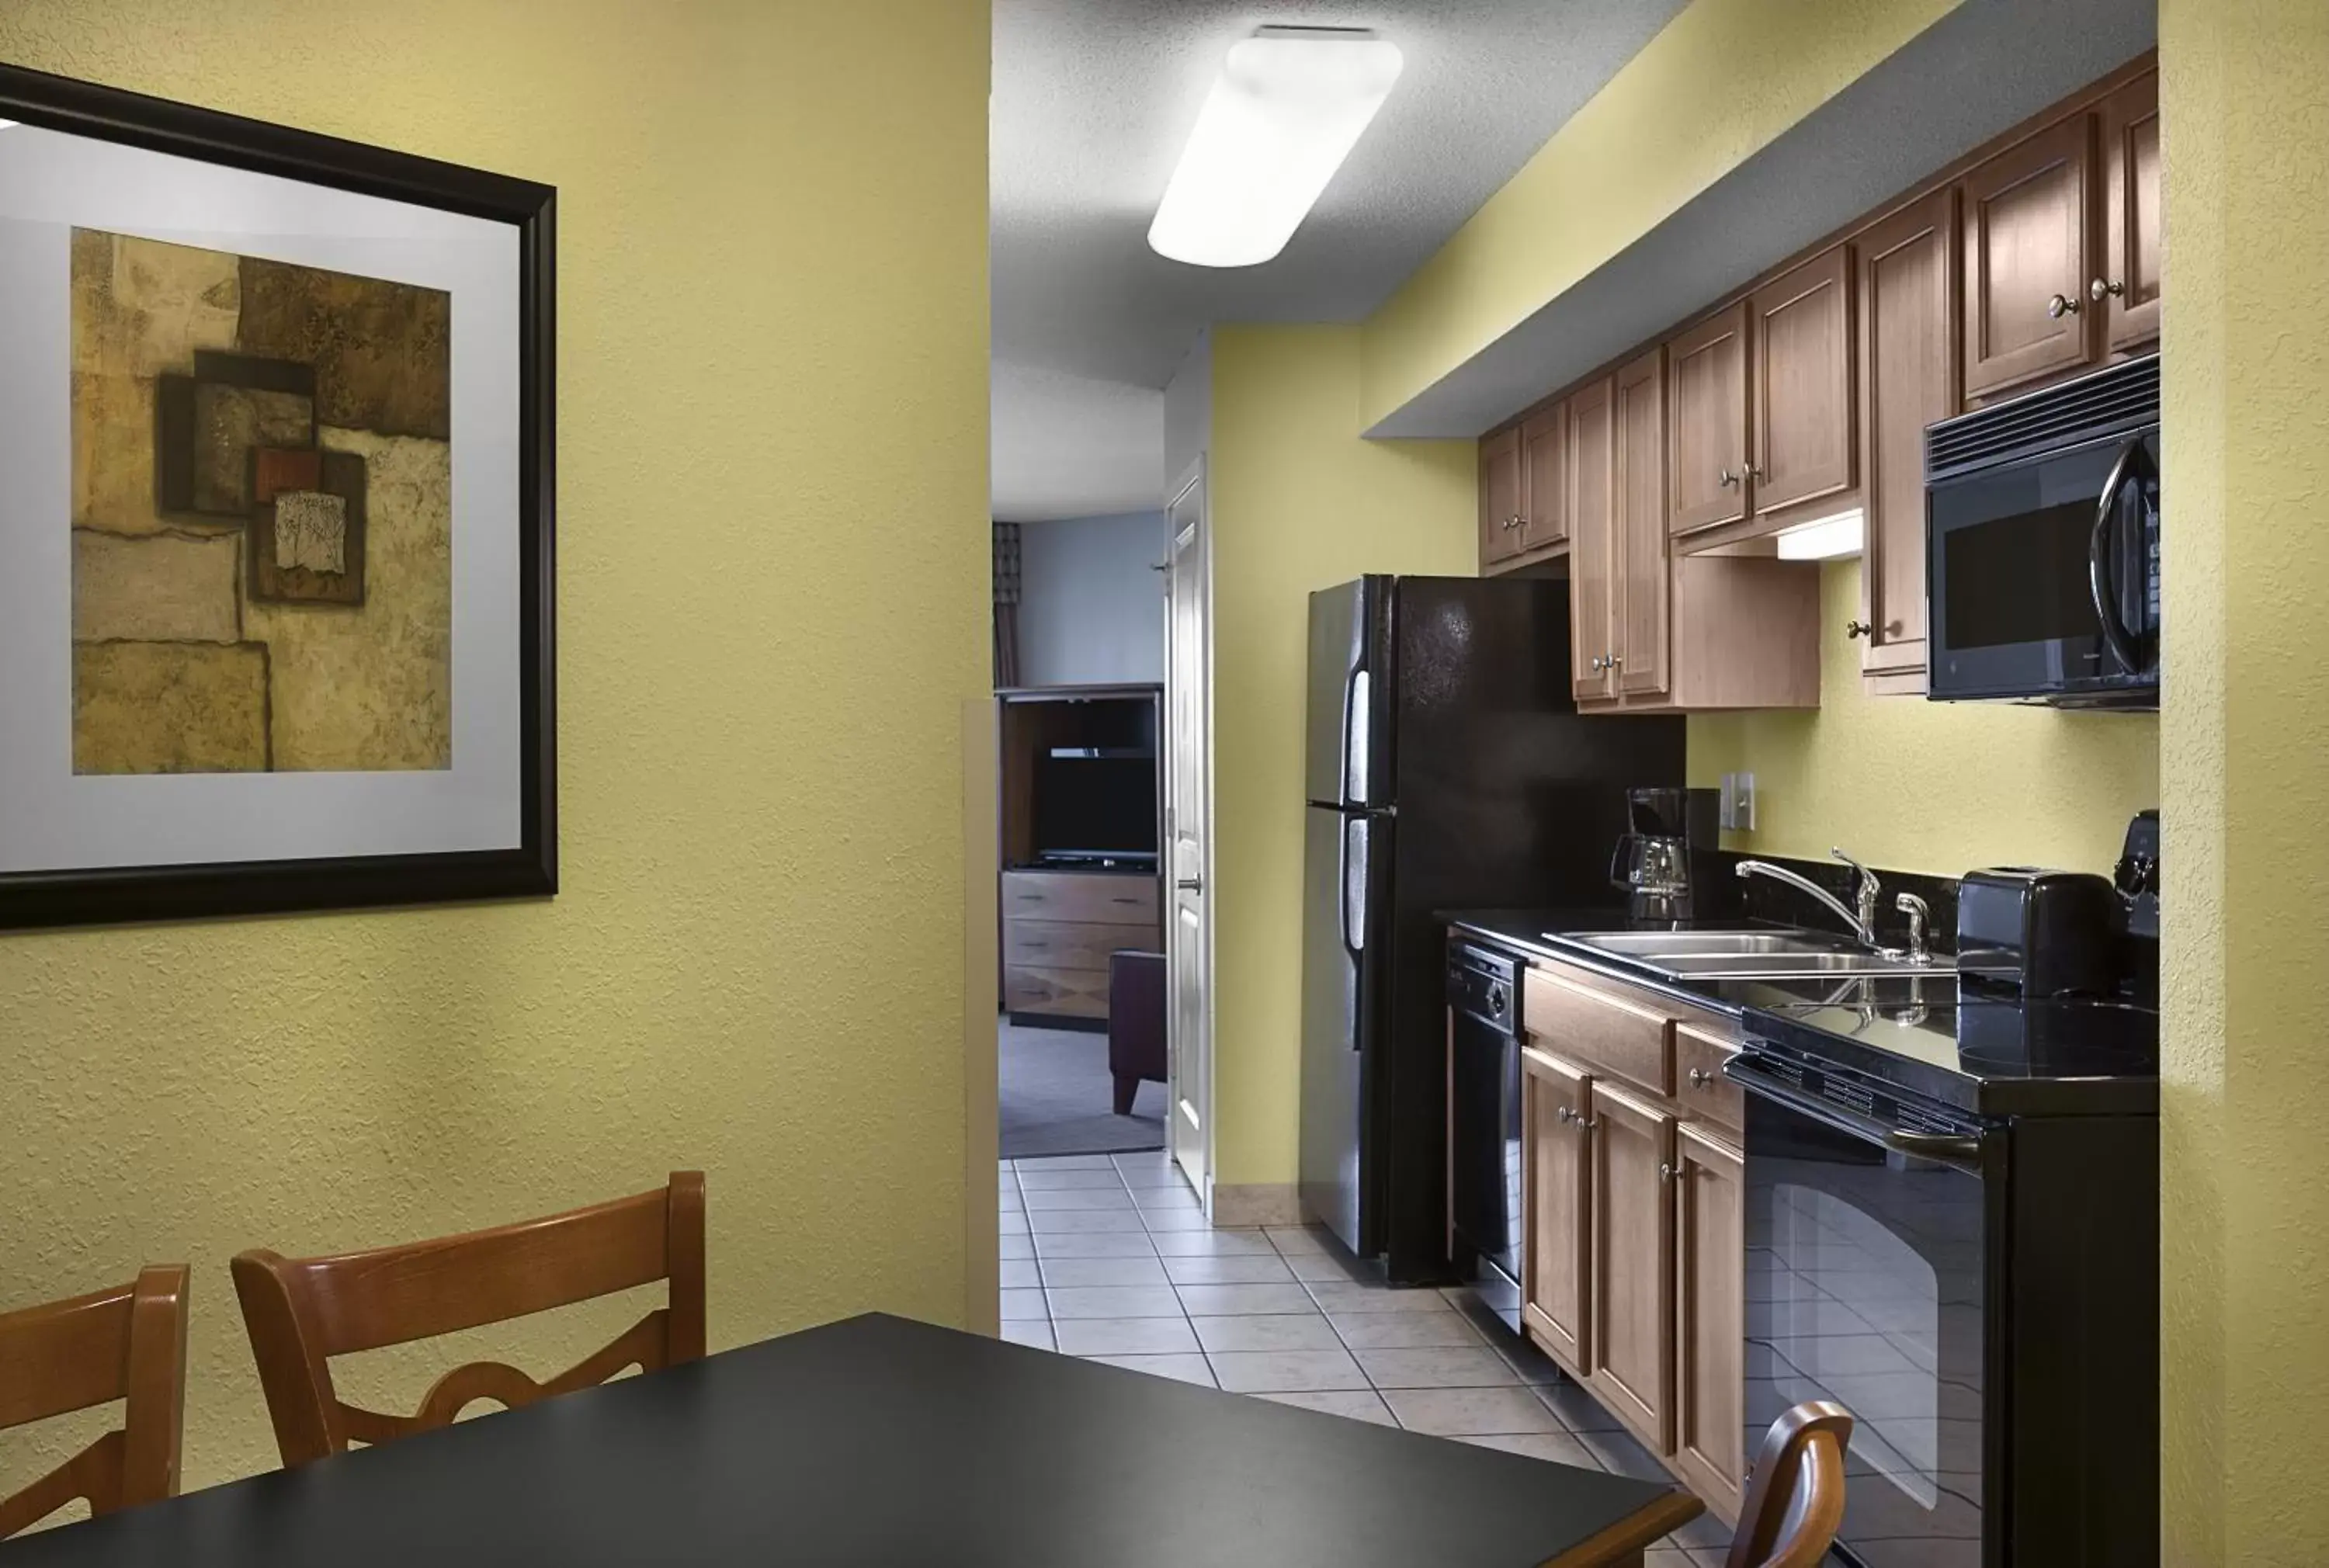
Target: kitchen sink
x,y
1750,954
1780,965
1662,944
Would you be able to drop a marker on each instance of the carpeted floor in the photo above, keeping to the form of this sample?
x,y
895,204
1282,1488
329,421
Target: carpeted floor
x,y
1056,1097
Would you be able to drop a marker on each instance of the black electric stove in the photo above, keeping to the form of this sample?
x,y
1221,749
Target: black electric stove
x,y
1952,1229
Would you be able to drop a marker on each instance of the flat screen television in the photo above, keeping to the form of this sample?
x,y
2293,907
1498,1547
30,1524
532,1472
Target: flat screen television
x,y
1093,807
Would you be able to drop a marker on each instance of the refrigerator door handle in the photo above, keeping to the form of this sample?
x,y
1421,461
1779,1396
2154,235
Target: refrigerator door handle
x,y
1356,724
1354,888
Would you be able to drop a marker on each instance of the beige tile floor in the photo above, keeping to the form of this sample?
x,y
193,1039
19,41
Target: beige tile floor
x,y
1107,1258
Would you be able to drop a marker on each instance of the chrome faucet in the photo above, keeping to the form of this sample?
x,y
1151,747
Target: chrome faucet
x,y
1862,921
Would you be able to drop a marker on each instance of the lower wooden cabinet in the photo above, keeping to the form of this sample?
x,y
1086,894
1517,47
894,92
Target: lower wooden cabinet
x,y
1635,1227
1709,1320
1557,1107
1631,1363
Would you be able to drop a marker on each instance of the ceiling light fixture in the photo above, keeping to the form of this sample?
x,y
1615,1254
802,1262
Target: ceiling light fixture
x,y
1827,538
1289,105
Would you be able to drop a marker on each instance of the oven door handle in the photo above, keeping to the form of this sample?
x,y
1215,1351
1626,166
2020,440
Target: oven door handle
x,y
1960,1151
2099,546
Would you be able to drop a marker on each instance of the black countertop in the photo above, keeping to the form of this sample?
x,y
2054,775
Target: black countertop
x,y
1983,1052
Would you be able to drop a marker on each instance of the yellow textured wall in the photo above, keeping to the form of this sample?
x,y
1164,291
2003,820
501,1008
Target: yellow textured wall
x,y
2245,106
1717,85
771,608
1298,500
1939,788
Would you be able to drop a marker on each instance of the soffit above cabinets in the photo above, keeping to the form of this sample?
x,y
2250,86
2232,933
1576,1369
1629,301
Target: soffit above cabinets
x,y
1985,67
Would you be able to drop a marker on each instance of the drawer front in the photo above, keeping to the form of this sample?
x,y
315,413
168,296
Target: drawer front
x,y
1080,993
1624,1037
1063,944
1079,896
1698,1084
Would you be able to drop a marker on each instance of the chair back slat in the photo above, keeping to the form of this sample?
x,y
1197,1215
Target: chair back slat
x,y
1794,1493
128,1343
365,1300
302,1311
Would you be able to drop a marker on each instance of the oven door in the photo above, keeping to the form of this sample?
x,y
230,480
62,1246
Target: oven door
x,y
1866,1269
2044,578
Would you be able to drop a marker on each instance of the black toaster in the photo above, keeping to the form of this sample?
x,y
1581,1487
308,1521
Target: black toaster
x,y
2041,932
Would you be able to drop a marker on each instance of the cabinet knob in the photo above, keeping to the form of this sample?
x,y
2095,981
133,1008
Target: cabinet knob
x,y
1616,660
1858,629
1668,1172
1725,478
1599,662
2103,289
2061,305
1755,472
1700,1077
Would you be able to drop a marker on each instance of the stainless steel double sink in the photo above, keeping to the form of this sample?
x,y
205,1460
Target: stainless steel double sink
x,y
1748,954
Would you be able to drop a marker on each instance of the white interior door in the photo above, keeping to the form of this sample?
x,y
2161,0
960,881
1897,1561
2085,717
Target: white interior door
x,y
1188,801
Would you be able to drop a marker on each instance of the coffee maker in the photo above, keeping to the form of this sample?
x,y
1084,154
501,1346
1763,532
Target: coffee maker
x,y
1664,825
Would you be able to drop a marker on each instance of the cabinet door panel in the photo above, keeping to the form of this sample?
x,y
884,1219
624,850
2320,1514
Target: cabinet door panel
x,y
1545,487
1708,367
1500,496
2025,217
1556,1221
1802,387
1710,1322
2131,214
1631,1309
1592,542
1644,593
1908,380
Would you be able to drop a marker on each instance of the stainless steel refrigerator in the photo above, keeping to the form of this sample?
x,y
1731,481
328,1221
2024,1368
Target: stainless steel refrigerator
x,y
1448,768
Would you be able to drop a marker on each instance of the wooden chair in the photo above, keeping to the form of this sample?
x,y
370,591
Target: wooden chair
x,y
302,1311
128,1343
1794,1494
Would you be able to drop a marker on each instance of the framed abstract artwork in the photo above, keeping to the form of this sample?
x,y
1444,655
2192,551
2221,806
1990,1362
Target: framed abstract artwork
x,y
276,518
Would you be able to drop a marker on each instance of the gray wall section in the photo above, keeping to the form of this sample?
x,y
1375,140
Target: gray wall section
x,y
1090,610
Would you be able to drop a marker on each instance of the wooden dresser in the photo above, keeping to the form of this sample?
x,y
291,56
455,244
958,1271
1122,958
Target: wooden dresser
x,y
1059,928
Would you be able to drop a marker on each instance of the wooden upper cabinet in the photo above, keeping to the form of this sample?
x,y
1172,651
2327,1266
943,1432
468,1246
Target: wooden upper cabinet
x,y
2129,287
1544,483
1908,380
2026,263
1500,496
1801,390
1592,542
1558,1223
1645,596
1710,1447
1708,365
1631,1305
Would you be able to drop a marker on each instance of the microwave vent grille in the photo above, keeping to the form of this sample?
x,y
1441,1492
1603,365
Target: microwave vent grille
x,y
2117,401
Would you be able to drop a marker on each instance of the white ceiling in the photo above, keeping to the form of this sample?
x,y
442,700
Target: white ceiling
x,y
1092,102
1067,445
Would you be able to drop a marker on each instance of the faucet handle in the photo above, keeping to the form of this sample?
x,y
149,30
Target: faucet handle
x,y
1919,913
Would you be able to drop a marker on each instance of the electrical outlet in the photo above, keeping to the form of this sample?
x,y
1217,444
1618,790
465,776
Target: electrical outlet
x,y
1739,802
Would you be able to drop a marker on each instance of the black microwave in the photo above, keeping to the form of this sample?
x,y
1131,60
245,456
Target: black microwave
x,y
2041,538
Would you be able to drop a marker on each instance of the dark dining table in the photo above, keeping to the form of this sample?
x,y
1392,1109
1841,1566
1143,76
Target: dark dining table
x,y
882,1441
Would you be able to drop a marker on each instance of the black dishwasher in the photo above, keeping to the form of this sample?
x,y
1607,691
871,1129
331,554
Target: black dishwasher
x,y
1483,1118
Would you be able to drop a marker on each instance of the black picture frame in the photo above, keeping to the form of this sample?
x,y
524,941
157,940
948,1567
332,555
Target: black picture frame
x,y
36,899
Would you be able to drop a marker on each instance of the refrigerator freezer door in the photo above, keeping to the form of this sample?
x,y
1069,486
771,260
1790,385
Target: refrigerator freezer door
x,y
1345,856
1347,737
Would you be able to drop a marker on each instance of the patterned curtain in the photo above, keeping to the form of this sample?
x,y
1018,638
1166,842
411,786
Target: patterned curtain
x,y
1006,604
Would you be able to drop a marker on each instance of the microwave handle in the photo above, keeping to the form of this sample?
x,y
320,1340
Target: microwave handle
x,y
2098,553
